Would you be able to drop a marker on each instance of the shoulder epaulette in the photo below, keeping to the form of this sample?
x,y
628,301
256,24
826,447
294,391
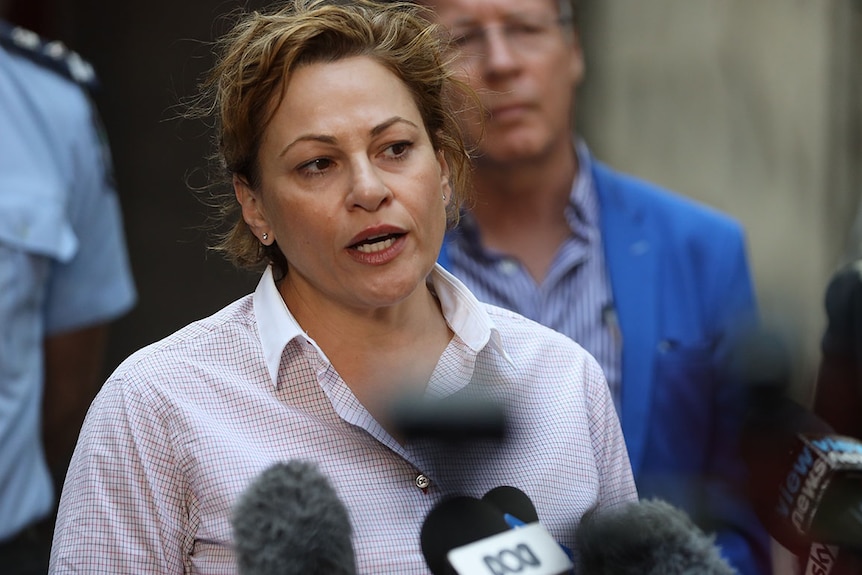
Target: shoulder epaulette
x,y
51,54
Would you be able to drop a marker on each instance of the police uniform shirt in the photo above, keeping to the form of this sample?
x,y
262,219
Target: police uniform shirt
x,y
63,261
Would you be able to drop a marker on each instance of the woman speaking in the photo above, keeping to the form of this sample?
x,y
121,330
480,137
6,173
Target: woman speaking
x,y
336,134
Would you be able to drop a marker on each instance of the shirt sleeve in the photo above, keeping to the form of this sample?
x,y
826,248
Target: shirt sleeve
x,y
95,285
122,508
616,480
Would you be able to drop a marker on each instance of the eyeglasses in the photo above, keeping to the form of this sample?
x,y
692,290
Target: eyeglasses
x,y
524,33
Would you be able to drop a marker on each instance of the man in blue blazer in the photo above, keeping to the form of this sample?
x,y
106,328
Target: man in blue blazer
x,y
653,285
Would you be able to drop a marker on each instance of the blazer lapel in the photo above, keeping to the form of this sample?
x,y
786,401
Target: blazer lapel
x,y
632,259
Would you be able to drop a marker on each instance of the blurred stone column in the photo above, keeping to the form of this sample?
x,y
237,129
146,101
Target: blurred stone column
x,y
754,108
750,107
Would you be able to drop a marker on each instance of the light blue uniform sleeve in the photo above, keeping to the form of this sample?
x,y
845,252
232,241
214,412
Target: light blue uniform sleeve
x,y
63,262
95,284
57,198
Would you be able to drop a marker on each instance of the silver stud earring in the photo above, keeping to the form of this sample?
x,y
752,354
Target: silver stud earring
x,y
444,196
265,236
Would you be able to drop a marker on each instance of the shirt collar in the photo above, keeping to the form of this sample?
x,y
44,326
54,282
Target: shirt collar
x,y
275,323
583,204
463,312
582,211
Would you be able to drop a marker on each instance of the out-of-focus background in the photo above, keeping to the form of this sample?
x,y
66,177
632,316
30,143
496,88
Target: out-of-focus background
x,y
149,56
754,107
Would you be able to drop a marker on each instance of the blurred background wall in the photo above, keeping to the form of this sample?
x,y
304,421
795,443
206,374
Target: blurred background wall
x,y
149,55
754,107
751,107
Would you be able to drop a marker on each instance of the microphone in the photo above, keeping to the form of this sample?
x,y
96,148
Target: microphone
x,y
515,505
648,537
454,522
517,508
805,481
454,435
838,389
468,536
456,418
289,521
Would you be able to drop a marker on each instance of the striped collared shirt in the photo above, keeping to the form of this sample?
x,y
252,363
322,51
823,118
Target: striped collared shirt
x,y
184,425
575,298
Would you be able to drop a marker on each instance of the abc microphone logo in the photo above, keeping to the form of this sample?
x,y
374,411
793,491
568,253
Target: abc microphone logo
x,y
529,550
512,560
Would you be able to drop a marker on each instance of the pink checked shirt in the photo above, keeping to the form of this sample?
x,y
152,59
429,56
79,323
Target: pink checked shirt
x,y
185,424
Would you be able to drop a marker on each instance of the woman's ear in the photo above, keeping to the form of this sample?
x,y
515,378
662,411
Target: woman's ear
x,y
445,173
252,210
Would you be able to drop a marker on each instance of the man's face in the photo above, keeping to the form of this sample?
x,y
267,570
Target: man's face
x,y
524,63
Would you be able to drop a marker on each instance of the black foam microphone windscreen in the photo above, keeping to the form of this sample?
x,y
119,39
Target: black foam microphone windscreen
x,y
838,391
453,523
513,501
469,536
648,537
290,521
455,418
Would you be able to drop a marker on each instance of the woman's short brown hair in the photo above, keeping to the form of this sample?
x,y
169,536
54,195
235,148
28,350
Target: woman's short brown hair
x,y
254,63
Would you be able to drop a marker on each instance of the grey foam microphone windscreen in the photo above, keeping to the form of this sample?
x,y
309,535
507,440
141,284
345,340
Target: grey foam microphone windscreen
x,y
290,521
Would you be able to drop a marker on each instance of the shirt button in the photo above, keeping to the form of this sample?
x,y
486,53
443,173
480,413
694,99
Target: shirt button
x,y
508,267
422,481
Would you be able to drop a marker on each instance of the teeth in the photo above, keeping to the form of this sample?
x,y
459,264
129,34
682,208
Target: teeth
x,y
376,246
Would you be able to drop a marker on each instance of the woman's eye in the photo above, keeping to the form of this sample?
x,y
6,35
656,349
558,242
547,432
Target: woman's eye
x,y
398,149
316,165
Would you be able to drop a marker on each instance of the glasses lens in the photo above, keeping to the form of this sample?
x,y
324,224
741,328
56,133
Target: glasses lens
x,y
522,32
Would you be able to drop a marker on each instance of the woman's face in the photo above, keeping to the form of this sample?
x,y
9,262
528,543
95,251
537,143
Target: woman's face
x,y
351,187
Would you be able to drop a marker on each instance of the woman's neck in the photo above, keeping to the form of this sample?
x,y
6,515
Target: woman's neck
x,y
380,354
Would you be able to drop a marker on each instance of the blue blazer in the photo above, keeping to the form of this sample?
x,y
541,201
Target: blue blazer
x,y
681,287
